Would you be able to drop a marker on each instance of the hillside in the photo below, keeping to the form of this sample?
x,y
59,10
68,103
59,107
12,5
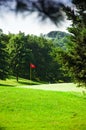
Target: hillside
x,y
56,34
59,38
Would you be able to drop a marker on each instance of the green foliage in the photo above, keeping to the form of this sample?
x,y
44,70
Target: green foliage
x,y
4,65
56,34
78,54
60,40
74,57
20,55
25,49
37,50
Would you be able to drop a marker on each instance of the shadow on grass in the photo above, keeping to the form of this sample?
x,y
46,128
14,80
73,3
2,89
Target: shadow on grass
x,y
30,83
2,128
5,85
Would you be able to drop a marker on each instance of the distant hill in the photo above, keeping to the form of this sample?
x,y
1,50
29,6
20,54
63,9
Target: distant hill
x,y
59,38
55,34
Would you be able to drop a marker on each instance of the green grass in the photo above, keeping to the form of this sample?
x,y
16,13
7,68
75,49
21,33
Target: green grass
x,y
28,109
11,82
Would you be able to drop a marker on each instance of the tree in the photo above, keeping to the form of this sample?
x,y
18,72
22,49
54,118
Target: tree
x,y
47,68
40,49
20,55
74,57
4,62
24,50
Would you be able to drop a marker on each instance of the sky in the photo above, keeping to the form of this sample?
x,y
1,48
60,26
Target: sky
x,y
31,24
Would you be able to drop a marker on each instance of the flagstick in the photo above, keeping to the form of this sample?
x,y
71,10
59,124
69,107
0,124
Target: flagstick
x,y
30,73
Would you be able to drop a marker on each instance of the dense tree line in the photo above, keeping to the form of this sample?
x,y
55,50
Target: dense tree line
x,y
20,50
74,56
4,56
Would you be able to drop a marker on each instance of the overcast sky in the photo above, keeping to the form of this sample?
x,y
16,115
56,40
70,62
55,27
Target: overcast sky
x,y
30,24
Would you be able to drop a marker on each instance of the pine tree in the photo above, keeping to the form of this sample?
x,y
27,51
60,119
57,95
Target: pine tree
x,y
4,65
74,57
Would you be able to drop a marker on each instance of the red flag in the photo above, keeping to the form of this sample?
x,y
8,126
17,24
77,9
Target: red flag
x,y
32,66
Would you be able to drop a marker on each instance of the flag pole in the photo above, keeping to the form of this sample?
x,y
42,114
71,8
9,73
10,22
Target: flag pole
x,y
32,66
30,73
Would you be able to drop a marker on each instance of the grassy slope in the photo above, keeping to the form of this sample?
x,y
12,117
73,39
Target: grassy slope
x,y
27,109
11,82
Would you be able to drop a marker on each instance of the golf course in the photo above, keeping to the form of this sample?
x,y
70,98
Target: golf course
x,y
42,64
27,105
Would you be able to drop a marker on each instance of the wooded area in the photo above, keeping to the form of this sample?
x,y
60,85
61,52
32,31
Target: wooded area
x,y
19,50
72,57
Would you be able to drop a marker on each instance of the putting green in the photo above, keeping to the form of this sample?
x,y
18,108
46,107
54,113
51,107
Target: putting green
x,y
57,87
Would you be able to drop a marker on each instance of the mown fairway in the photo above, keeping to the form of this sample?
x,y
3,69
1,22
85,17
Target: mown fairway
x,y
28,109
